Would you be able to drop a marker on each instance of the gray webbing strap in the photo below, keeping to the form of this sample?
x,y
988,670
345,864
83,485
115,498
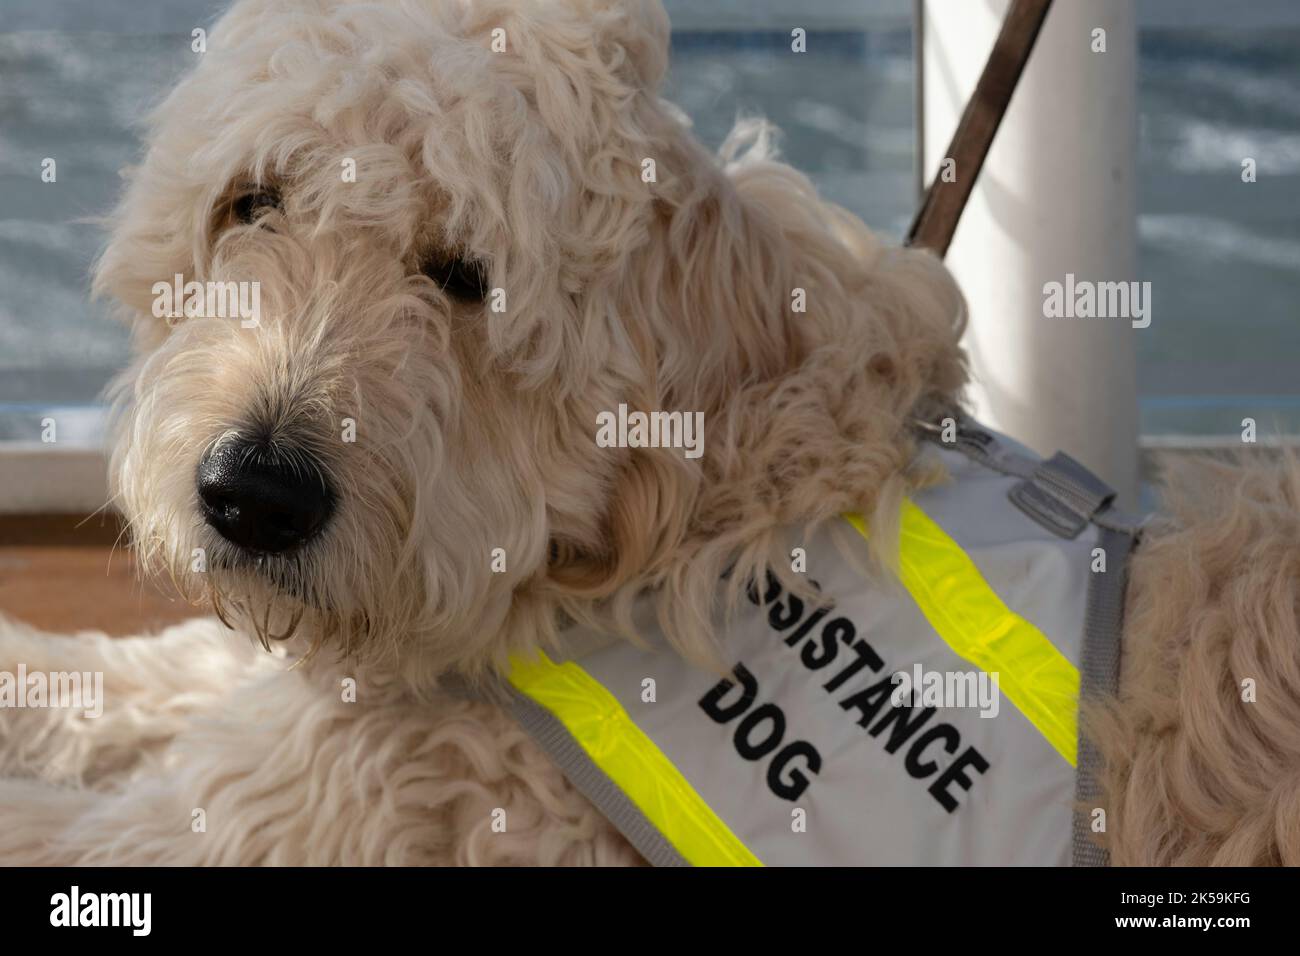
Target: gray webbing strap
x,y
980,446
1099,678
1062,495
593,783
1055,493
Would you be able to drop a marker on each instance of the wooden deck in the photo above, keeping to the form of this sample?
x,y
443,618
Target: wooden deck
x,y
61,573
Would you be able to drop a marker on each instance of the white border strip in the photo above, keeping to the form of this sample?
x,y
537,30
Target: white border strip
x,y
36,478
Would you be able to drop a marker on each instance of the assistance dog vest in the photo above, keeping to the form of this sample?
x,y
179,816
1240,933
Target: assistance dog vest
x,y
927,717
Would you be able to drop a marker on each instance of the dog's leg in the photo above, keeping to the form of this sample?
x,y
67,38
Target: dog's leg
x,y
150,687
284,770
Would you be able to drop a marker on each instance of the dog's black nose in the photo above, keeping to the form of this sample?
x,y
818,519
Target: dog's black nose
x,y
260,500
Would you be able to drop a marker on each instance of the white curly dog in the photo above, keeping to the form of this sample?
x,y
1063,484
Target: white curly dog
x,y
390,475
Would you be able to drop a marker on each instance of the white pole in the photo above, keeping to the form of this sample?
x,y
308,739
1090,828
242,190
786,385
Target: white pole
x,y
1055,197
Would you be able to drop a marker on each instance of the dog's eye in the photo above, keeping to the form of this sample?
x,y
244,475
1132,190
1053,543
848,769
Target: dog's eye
x,y
247,206
463,279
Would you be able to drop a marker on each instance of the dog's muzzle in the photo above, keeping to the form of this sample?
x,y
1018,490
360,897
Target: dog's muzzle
x,y
263,502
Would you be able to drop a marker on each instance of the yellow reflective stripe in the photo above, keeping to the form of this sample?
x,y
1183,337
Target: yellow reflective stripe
x,y
618,746
970,617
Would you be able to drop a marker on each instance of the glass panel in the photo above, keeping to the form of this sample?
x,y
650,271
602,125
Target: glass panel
x,y
845,107
77,77
1218,83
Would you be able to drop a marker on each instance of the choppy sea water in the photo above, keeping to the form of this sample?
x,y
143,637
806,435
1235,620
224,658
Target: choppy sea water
x,y
1223,257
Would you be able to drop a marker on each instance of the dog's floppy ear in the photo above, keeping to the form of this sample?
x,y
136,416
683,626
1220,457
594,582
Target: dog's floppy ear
x,y
648,516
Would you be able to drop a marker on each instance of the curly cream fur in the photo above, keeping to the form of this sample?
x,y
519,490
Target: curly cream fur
x,y
283,771
1197,774
475,431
